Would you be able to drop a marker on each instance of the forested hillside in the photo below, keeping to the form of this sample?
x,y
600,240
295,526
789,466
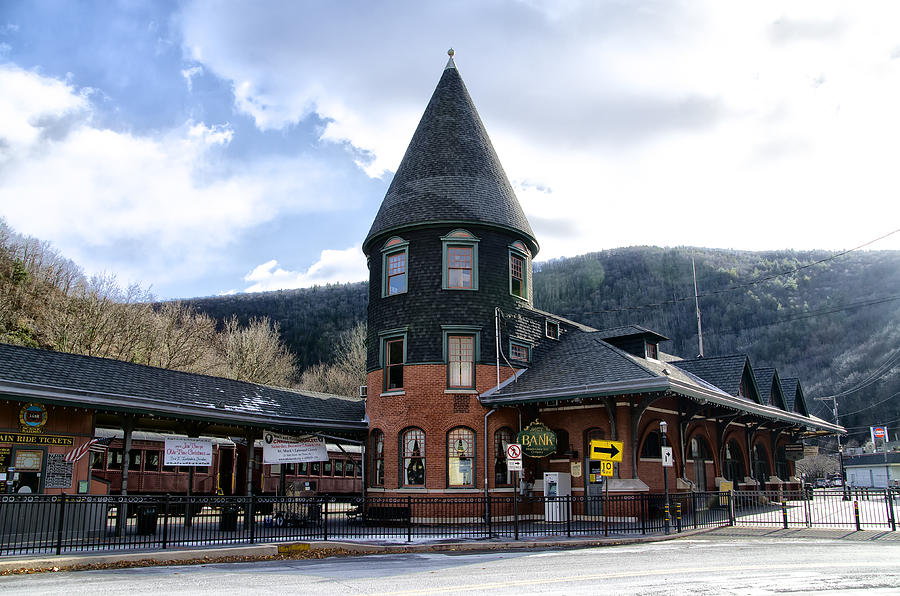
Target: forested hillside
x,y
833,320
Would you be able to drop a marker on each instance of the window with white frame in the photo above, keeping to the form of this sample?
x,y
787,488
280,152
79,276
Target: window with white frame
x,y
519,350
552,329
377,458
461,364
518,270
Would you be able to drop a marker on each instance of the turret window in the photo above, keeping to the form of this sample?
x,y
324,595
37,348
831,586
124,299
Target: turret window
x,y
461,457
395,258
413,445
460,258
392,355
461,368
518,270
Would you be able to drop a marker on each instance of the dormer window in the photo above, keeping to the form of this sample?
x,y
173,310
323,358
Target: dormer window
x,y
552,329
394,266
460,258
652,351
518,270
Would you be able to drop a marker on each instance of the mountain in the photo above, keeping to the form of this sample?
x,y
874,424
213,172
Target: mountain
x,y
831,319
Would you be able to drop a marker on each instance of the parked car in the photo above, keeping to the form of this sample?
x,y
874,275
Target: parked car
x,y
821,483
835,481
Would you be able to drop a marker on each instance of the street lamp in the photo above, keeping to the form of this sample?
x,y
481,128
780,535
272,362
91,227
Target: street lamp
x,y
663,426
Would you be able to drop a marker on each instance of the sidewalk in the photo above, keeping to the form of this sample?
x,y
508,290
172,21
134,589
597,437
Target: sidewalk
x,y
208,555
211,554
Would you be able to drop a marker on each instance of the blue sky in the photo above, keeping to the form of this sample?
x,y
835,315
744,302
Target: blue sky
x,y
208,147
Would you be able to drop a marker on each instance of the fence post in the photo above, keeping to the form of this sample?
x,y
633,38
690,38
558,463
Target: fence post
x,y
487,511
784,515
516,514
59,521
856,513
409,518
889,503
694,508
731,519
165,536
325,518
644,512
568,503
251,515
678,516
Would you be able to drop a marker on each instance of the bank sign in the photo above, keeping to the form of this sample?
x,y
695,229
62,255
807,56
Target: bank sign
x,y
537,440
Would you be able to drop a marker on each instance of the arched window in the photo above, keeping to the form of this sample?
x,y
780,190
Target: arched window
x,y
651,448
761,469
733,467
592,434
782,468
413,462
700,454
503,437
377,458
562,441
461,457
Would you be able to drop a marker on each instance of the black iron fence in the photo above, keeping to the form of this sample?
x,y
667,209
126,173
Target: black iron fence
x,y
32,524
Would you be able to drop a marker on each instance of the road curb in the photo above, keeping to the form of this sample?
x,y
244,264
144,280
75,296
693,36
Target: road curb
x,y
168,557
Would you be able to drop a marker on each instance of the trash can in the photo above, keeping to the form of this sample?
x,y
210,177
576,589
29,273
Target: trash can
x,y
228,519
146,521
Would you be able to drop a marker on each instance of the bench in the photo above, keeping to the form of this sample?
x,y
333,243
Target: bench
x,y
379,513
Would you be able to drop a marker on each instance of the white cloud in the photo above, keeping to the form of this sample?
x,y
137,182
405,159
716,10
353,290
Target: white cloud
x,y
189,74
753,126
164,196
333,266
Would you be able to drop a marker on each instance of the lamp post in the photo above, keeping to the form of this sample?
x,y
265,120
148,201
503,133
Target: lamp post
x,y
663,426
846,497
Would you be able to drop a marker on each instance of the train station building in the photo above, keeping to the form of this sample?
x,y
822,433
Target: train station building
x,y
460,364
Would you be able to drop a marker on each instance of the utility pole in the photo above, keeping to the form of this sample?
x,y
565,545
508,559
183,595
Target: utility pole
x,y
697,305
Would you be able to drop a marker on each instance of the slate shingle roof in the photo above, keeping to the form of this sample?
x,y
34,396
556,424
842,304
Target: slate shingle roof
x,y
122,386
793,395
628,331
725,372
764,377
581,358
450,172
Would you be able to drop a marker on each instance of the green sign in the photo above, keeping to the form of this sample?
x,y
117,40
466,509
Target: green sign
x,y
537,440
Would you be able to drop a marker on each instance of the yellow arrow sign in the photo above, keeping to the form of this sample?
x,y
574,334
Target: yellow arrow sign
x,y
606,450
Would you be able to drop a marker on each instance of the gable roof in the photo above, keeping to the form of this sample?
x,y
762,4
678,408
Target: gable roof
x,y
794,399
113,385
450,172
725,372
769,386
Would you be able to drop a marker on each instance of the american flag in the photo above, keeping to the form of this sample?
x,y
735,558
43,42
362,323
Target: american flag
x,y
94,444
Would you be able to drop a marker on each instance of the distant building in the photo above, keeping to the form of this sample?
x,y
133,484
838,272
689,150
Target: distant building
x,y
874,470
460,361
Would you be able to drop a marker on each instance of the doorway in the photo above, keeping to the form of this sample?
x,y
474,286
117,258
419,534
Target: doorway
x,y
28,465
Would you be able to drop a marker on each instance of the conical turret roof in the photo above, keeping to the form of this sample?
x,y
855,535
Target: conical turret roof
x,y
450,172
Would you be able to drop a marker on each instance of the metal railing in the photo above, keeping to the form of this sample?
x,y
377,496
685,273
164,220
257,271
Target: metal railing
x,y
44,524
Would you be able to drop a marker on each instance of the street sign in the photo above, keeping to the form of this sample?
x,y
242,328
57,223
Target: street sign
x,y
668,459
514,457
606,467
606,450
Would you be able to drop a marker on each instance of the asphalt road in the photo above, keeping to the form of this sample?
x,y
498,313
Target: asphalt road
x,y
705,564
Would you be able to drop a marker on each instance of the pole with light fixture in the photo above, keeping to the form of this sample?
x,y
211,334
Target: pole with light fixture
x,y
663,426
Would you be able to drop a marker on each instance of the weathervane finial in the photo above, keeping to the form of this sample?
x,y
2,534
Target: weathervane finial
x,y
450,52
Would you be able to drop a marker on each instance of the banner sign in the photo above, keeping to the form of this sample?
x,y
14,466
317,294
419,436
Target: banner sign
x,y
285,449
537,440
188,452
793,451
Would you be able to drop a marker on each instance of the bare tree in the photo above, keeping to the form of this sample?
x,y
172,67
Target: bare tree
x,y
347,372
253,353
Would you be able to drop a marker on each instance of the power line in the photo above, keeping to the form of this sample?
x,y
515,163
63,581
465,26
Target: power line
x,y
676,300
870,406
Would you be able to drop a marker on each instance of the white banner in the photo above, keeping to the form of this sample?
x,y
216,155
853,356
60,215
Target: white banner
x,y
285,449
188,452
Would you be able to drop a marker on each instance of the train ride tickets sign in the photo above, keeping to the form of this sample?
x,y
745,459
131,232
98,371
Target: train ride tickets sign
x,y
188,452
285,449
